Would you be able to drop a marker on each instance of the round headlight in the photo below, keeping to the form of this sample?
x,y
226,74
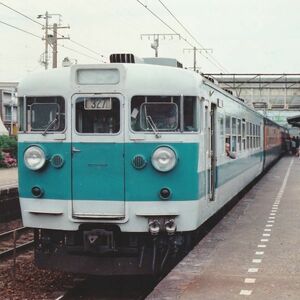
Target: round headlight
x,y
34,158
164,159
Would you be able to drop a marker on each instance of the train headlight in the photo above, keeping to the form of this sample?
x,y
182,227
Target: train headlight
x,y
164,159
34,158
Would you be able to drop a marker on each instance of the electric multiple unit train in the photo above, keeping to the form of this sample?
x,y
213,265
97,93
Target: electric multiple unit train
x,y
120,163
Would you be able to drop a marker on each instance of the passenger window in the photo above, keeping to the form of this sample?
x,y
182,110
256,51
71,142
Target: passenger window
x,y
97,115
248,135
239,135
244,135
190,114
227,132
234,136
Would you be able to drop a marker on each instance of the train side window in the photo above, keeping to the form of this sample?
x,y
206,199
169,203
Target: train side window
x,y
21,114
227,131
251,135
243,135
234,135
239,134
248,135
190,119
221,131
97,115
254,136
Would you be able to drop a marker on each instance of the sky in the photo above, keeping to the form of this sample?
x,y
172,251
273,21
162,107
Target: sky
x,y
246,36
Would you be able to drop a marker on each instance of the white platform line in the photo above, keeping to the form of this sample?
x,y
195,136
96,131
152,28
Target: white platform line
x,y
246,292
252,270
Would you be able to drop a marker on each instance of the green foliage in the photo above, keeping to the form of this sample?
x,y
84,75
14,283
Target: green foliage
x,y
8,144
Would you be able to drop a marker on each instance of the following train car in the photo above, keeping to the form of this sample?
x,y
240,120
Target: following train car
x,y
120,163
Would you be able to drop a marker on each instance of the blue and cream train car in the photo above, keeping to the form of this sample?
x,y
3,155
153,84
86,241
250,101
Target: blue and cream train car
x,y
120,163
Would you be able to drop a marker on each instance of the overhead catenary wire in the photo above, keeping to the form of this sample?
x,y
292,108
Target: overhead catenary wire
x,y
20,29
18,12
76,51
191,35
35,35
182,37
42,25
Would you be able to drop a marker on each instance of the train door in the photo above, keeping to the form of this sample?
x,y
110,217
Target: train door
x,y
210,150
98,156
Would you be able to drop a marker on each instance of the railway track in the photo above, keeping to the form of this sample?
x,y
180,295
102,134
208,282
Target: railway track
x,y
111,288
15,241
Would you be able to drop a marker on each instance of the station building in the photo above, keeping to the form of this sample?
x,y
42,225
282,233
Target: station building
x,y
275,95
8,106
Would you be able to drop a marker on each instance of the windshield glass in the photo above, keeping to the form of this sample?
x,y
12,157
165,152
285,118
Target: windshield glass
x,y
98,115
41,112
164,114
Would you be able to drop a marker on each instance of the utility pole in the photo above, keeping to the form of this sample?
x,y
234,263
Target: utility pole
x,y
195,49
54,42
156,37
51,40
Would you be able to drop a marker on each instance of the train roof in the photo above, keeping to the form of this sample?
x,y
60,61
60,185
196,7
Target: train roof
x,y
138,76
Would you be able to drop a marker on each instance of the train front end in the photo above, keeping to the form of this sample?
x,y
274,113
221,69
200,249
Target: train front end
x,y
108,166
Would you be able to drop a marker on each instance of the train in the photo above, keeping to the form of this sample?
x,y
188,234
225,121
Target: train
x,y
121,163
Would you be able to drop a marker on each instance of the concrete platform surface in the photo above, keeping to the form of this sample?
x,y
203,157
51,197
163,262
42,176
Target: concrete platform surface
x,y
8,178
253,253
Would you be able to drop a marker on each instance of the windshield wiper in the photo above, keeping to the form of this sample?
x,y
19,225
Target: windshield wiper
x,y
153,126
49,126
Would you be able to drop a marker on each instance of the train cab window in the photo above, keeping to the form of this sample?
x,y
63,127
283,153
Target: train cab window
x,y
161,116
163,113
42,114
97,115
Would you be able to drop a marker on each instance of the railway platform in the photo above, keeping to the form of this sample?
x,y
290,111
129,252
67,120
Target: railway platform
x,y
8,178
253,252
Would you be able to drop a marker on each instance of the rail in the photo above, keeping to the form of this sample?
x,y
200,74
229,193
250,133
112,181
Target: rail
x,y
8,242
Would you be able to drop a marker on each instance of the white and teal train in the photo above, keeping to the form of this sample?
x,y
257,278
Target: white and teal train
x,y
120,163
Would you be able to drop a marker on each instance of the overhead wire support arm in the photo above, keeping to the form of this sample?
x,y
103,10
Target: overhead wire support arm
x,y
157,37
195,49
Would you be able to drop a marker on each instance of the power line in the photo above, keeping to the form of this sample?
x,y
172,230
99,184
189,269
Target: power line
x,y
15,27
32,34
31,19
161,20
71,49
27,17
189,33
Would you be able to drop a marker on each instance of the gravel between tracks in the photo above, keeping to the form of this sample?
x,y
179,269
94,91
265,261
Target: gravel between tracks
x,y
30,282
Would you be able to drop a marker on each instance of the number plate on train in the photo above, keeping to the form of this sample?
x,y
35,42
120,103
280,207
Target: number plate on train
x,y
97,103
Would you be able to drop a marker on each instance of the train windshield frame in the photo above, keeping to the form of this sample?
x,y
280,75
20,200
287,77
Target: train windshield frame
x,y
164,114
42,114
97,115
